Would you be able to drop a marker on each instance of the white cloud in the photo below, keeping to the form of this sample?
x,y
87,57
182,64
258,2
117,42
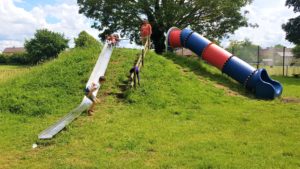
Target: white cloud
x,y
18,24
269,15
21,24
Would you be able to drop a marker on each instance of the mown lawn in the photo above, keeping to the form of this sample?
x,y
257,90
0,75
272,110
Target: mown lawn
x,y
10,71
278,70
185,114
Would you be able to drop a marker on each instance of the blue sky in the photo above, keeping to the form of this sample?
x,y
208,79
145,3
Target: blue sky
x,y
23,17
30,4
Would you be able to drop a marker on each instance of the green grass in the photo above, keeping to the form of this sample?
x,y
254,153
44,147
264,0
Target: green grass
x,y
11,71
185,114
42,89
277,70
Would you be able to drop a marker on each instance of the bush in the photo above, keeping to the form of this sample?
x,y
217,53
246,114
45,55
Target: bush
x,y
15,59
18,58
2,59
45,44
85,40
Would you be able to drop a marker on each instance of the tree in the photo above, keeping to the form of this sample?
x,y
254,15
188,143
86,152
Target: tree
x,y
214,18
296,51
45,44
245,50
292,27
85,40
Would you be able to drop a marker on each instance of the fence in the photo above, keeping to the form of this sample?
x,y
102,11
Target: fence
x,y
277,60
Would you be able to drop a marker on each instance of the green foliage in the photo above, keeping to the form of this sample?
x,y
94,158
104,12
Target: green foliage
x,y
278,46
214,18
52,87
85,40
292,30
45,45
2,59
244,50
15,59
296,51
294,4
292,27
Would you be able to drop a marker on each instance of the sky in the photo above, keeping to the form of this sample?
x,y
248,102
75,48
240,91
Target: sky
x,y
269,15
21,18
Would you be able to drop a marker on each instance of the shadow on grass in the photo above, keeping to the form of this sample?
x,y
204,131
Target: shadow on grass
x,y
199,69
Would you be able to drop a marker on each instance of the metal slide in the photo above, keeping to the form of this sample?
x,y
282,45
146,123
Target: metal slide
x,y
99,70
255,80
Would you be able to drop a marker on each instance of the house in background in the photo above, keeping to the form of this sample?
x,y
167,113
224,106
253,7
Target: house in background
x,y
13,50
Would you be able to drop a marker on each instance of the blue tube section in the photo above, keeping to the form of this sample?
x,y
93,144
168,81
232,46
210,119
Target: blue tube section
x,y
263,86
238,69
193,41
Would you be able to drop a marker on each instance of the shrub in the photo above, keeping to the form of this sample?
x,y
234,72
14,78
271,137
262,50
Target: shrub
x,y
45,44
15,59
2,59
85,40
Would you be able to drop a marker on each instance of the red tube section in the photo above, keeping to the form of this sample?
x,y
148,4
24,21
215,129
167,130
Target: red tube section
x,y
216,55
175,38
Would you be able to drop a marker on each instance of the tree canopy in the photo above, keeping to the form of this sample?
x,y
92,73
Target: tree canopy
x,y
214,18
292,27
45,44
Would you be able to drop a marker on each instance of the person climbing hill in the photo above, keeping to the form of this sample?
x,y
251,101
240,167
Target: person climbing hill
x,y
135,69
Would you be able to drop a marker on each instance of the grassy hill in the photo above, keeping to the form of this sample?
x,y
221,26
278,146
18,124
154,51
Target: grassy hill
x,y
44,88
185,114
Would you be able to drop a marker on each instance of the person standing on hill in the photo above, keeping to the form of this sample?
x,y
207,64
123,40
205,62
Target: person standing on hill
x,y
146,31
89,93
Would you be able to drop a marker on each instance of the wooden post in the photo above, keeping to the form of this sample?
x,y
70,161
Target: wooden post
x,y
143,56
258,48
283,61
134,79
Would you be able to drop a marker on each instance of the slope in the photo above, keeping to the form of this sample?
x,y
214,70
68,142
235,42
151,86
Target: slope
x,y
182,116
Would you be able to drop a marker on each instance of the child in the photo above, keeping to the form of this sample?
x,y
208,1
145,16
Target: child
x,y
117,39
108,40
136,70
89,93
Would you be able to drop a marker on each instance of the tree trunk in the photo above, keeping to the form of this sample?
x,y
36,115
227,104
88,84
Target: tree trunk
x,y
158,38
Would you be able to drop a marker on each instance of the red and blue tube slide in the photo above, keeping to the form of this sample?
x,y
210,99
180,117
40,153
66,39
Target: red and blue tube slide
x,y
255,80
